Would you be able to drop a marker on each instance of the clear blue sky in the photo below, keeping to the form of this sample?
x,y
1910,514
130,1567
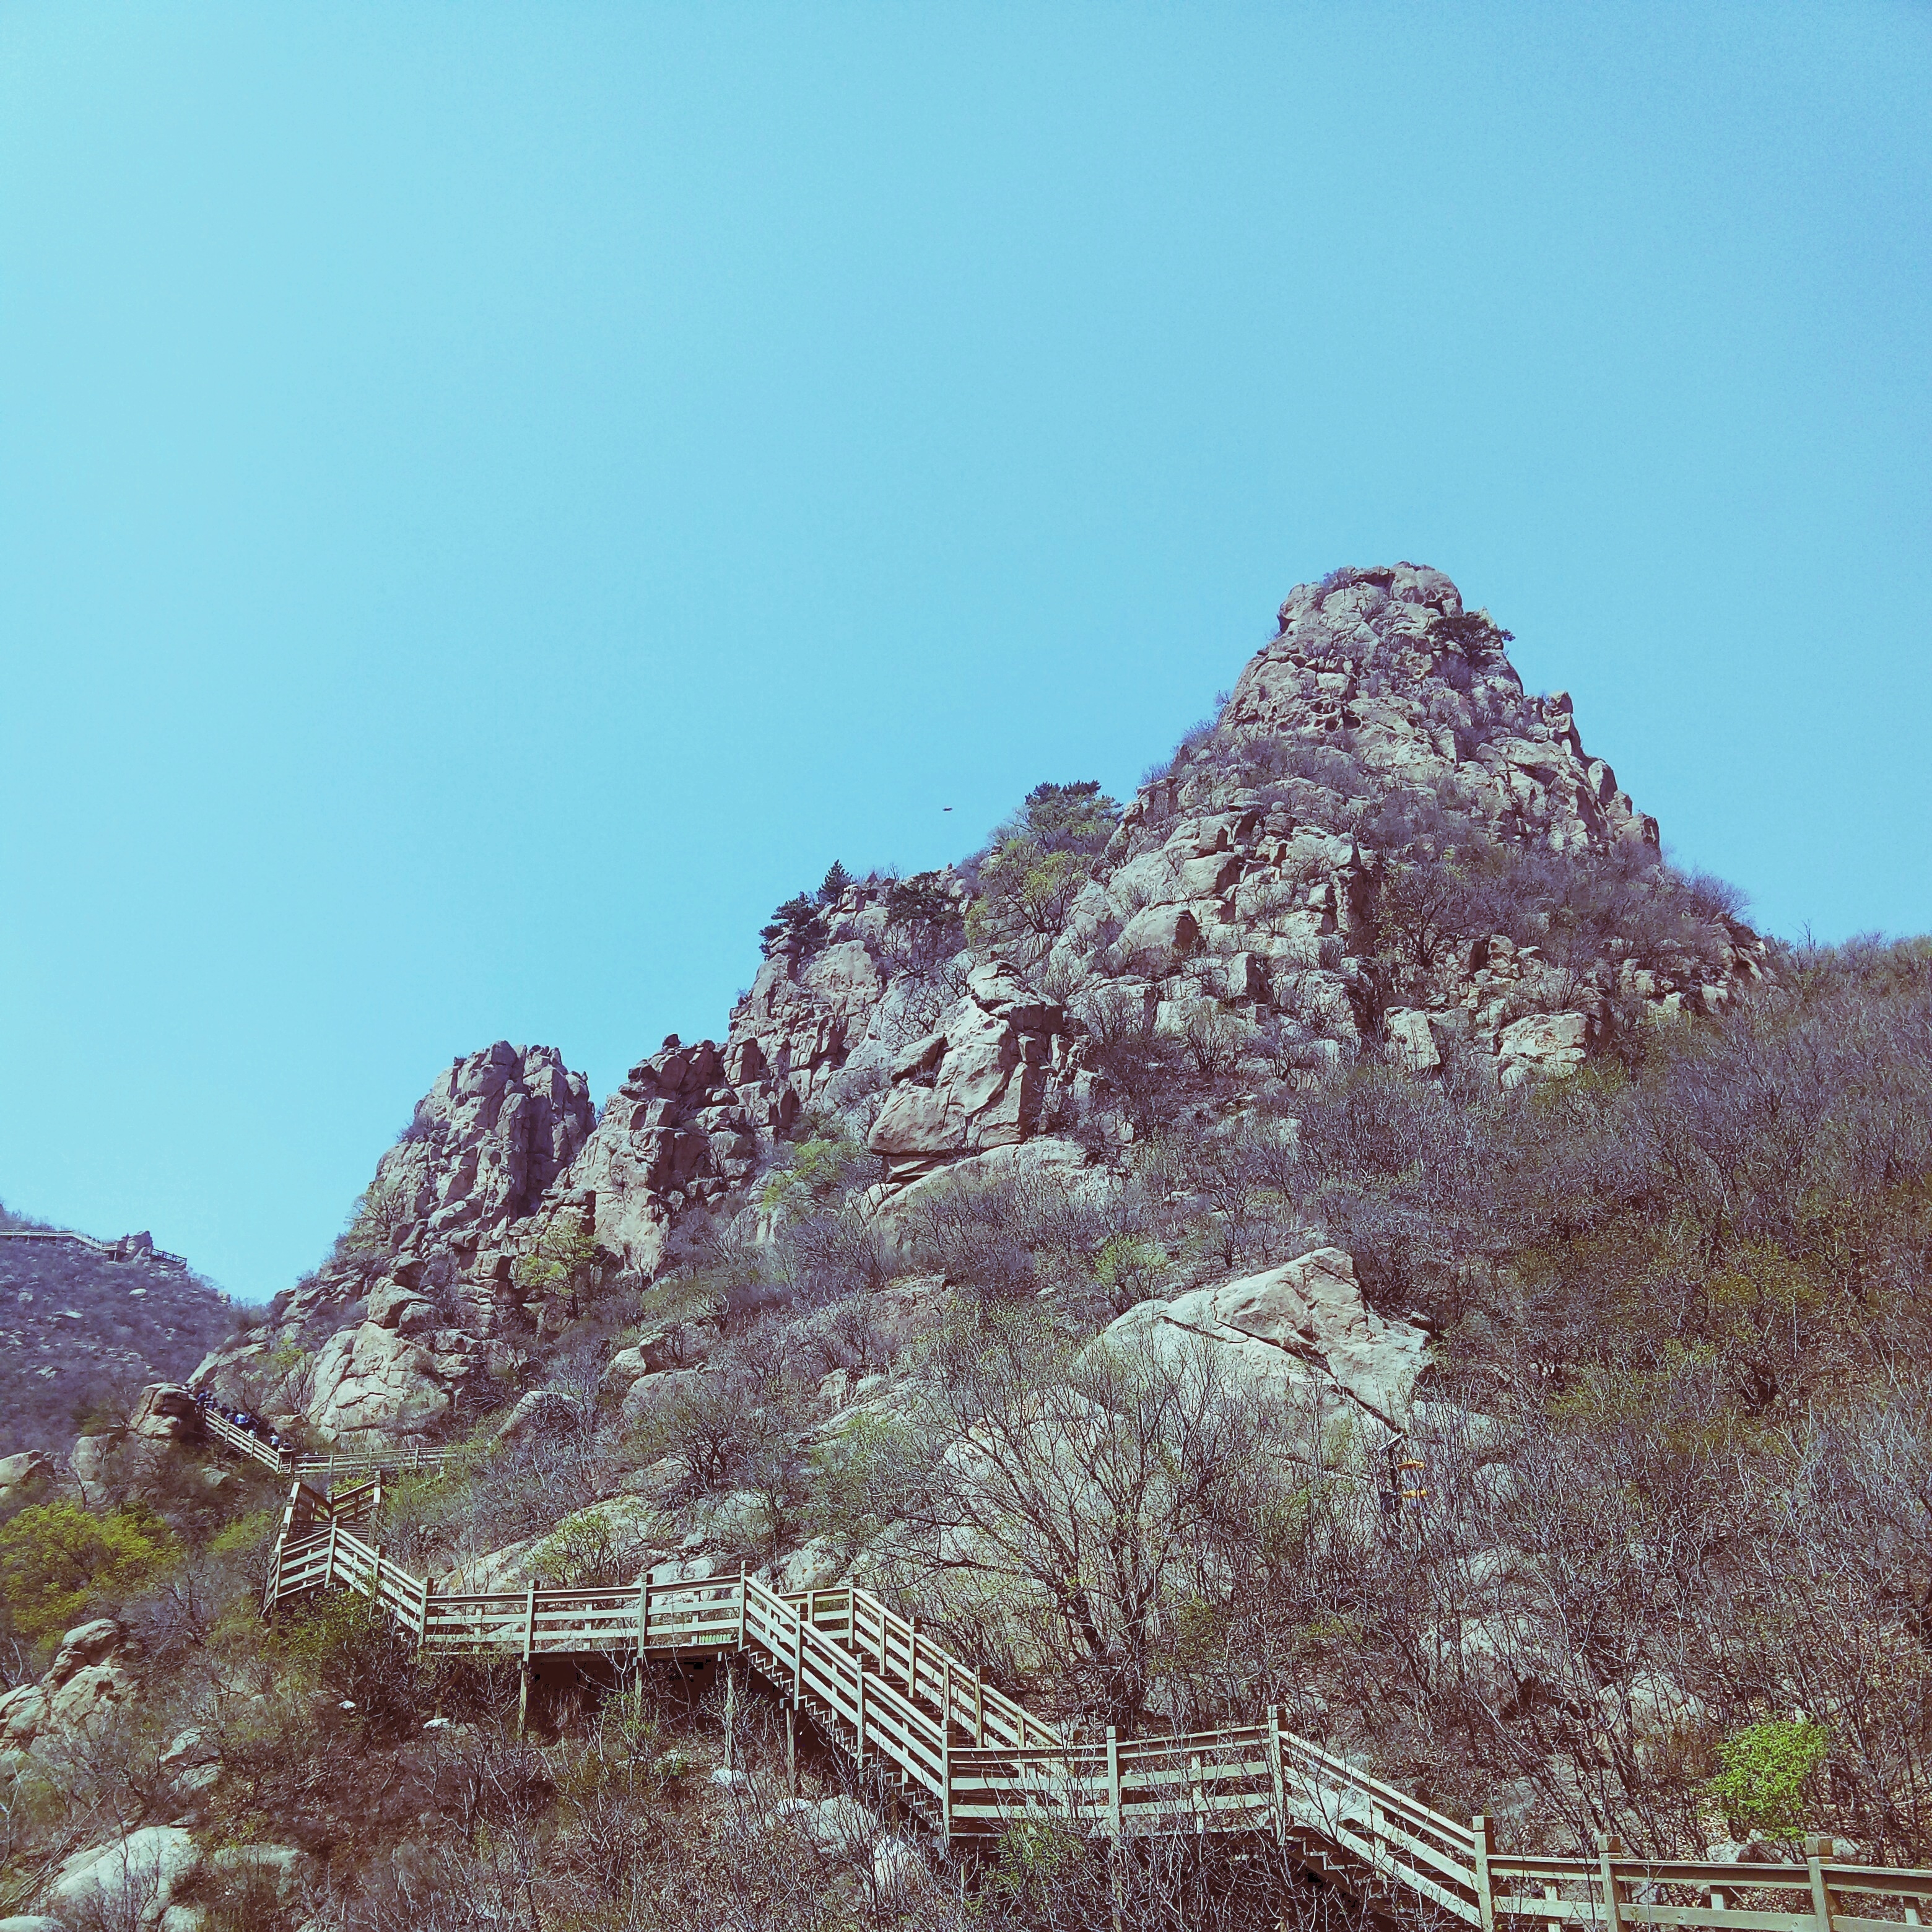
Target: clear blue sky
x,y
492,499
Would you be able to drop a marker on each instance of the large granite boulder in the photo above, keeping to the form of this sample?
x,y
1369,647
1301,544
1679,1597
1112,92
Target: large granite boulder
x,y
24,1476
1547,1046
373,1383
166,1413
87,1680
130,1881
1292,1331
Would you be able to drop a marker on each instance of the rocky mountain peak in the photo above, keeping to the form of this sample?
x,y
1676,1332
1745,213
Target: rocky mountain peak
x,y
1386,665
484,1144
1383,848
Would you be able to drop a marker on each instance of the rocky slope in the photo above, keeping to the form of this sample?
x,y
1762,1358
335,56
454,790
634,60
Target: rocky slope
x,y
1383,847
82,1329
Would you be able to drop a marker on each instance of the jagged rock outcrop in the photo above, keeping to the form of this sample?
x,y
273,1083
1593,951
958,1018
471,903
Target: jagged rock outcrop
x,y
424,1272
683,1128
486,1143
86,1681
1388,657
989,1076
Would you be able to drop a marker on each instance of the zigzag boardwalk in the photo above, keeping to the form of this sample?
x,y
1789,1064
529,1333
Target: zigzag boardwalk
x,y
972,1761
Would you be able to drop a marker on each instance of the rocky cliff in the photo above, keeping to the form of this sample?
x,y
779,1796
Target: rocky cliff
x,y
1384,846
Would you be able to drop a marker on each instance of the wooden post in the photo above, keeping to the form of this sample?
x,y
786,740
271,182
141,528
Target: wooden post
x,y
945,1782
643,1614
741,1606
1484,1836
912,1657
524,1667
328,1573
791,1751
1816,1850
1610,1846
945,1694
797,1664
859,1720
979,1711
1277,1781
1114,1783
731,1716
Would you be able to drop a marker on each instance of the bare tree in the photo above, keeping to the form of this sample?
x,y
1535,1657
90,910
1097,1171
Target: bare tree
x,y
1086,1490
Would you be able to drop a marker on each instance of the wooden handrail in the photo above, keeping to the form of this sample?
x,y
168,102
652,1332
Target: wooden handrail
x,y
415,1460
879,1682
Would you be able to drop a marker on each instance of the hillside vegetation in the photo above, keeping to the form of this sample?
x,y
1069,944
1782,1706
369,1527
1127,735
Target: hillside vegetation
x,y
1350,1229
80,1334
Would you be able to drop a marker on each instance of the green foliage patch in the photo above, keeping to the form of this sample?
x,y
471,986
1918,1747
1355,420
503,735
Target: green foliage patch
x,y
1766,1768
59,1563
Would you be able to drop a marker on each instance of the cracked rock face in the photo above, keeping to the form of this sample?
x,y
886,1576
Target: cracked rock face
x,y
483,1149
1293,1330
373,1383
683,1128
986,1078
486,1142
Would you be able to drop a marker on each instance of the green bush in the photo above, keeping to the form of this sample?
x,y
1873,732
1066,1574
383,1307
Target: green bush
x,y
565,1255
1764,1766
57,1561
814,1171
1030,875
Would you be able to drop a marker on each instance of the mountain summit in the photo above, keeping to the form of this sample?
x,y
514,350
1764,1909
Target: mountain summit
x,y
1384,848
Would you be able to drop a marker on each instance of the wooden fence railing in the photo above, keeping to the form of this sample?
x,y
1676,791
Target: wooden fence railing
x,y
412,1461
975,1761
126,1249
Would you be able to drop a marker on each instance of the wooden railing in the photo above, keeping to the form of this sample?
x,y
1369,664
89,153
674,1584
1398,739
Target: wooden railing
x,y
412,1461
124,1249
976,1761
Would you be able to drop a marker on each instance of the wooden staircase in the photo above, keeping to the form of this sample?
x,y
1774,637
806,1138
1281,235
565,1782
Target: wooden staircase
x,y
971,1761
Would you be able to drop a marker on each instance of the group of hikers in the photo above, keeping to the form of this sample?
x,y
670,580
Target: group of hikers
x,y
240,1418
